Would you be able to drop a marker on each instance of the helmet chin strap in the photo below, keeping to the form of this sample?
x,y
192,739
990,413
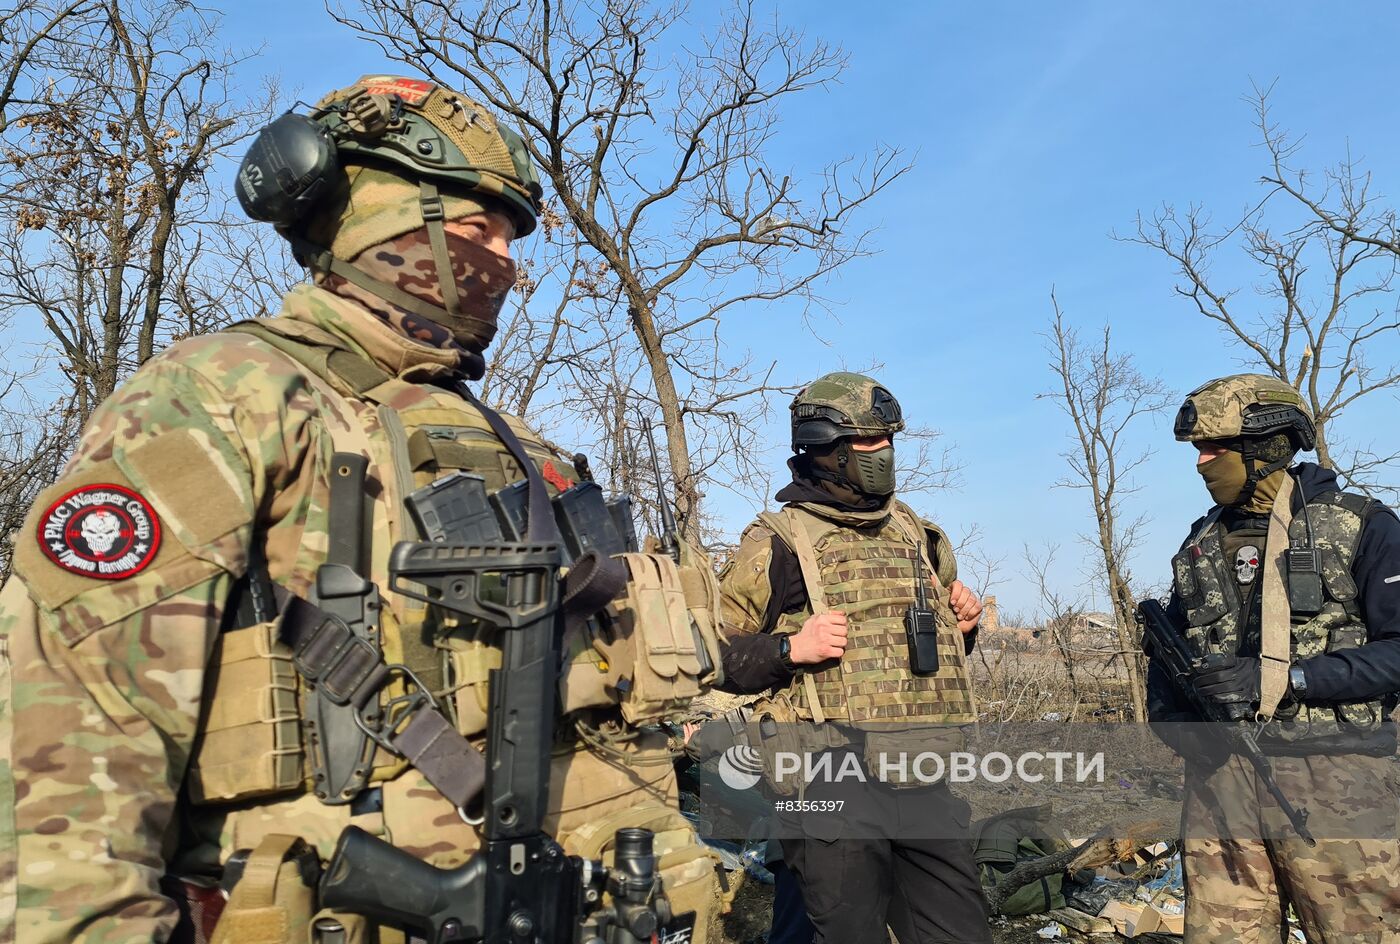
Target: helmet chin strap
x,y
1253,474
430,205
450,315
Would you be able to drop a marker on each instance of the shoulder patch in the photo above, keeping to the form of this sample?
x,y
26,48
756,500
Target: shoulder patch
x,y
554,477
104,531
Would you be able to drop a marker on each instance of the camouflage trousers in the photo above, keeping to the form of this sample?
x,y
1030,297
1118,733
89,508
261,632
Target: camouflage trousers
x,y
1244,864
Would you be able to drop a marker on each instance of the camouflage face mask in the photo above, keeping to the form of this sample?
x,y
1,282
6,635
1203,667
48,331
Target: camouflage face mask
x,y
484,279
1224,476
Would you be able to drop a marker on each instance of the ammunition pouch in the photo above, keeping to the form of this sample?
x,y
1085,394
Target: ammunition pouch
x,y
702,596
784,730
654,640
274,898
248,743
885,744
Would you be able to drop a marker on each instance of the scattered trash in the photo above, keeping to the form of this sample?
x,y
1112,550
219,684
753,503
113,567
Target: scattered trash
x,y
1131,919
1050,932
1052,716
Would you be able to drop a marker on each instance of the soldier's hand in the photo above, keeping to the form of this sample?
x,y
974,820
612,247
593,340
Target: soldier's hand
x,y
1228,679
966,606
821,638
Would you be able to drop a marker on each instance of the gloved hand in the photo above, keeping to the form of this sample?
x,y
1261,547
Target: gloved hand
x,y
1228,680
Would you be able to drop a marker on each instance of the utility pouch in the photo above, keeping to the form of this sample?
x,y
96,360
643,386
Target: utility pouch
x,y
777,724
921,631
702,596
248,743
653,641
272,896
1219,595
1304,568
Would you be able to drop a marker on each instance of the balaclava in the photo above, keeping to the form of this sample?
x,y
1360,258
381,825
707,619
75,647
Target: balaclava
x,y
1248,474
377,225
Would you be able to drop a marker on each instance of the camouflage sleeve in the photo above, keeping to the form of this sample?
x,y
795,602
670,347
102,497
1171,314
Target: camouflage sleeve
x,y
940,551
744,585
121,571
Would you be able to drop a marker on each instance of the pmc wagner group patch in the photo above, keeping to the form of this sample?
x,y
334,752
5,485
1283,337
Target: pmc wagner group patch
x,y
103,531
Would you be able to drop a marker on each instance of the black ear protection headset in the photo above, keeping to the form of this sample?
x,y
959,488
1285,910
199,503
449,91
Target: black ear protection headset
x,y
292,165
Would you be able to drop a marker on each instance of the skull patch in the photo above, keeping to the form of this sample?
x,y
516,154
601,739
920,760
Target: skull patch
x,y
104,531
1246,563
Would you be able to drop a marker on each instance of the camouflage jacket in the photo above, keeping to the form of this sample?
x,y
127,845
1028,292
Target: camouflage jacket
x,y
122,574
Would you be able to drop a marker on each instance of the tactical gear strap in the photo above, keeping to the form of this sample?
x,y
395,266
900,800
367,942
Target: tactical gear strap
x,y
430,203
320,259
1276,618
540,525
811,578
352,673
914,531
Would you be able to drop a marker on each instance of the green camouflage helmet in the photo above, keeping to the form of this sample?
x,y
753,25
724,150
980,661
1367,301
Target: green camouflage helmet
x,y
843,404
433,133
1245,405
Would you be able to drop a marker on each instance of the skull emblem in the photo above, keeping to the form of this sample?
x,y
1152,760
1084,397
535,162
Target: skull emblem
x,y
101,530
1246,563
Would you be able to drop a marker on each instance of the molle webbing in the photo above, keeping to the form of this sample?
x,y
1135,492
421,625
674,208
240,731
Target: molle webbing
x,y
869,573
1220,621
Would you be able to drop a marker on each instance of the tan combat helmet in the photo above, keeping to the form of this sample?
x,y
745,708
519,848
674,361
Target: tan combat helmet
x,y
379,159
433,133
843,404
1245,406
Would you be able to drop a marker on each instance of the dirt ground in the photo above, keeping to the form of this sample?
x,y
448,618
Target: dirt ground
x,y
748,918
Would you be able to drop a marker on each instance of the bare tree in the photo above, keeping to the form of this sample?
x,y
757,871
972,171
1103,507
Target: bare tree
x,y
116,232
657,161
135,106
1325,304
1103,393
1058,614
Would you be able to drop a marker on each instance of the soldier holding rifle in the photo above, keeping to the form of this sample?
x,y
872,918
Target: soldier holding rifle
x,y
1286,598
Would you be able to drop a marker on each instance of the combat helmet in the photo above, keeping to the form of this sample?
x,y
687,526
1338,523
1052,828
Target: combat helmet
x,y
836,407
383,158
1245,406
1259,416
427,132
843,404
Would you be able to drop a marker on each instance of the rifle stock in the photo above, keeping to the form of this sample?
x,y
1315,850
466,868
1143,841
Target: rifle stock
x,y
1172,648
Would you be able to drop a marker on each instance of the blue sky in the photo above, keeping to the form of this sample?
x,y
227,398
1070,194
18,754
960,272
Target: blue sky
x,y
1037,128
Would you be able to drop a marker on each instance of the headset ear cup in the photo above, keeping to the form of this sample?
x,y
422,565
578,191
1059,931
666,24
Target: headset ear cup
x,y
291,166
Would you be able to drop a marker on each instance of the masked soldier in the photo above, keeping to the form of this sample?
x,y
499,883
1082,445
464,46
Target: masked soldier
x,y
1289,592
817,605
163,744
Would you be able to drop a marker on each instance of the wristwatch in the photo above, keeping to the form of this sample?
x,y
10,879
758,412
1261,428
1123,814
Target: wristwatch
x,y
1298,681
785,653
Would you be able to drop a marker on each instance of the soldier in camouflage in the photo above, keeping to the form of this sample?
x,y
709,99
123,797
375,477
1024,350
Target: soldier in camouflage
x,y
813,608
149,729
1289,592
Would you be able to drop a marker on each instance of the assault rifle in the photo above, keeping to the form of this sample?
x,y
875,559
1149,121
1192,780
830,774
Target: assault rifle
x,y
670,541
1171,647
520,888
